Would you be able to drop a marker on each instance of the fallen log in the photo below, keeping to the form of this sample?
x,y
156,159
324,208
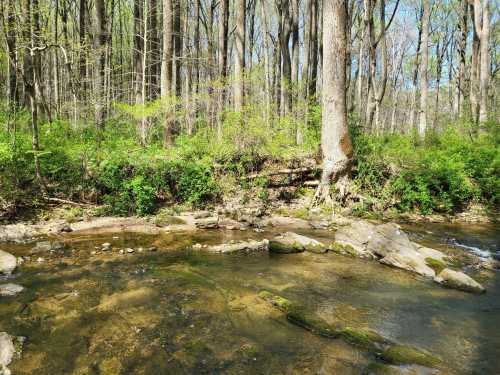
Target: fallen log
x,y
286,171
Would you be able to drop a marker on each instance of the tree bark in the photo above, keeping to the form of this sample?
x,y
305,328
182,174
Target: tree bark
x,y
424,81
239,63
166,68
100,50
335,140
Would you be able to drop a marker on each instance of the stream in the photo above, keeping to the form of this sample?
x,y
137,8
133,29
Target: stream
x,y
181,311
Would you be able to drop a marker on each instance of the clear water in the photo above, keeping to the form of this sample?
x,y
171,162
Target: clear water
x,y
177,311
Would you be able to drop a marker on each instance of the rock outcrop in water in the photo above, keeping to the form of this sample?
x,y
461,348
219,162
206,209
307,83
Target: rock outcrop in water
x,y
8,263
290,242
369,340
458,280
240,247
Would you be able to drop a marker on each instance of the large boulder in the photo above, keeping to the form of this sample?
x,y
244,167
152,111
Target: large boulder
x,y
10,290
458,280
410,260
356,235
7,351
240,247
388,239
291,242
8,262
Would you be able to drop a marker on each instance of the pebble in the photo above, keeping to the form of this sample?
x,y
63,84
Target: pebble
x,y
40,260
121,251
130,251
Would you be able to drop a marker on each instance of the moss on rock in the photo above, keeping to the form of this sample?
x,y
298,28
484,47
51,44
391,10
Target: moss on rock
x,y
406,355
342,249
363,338
435,264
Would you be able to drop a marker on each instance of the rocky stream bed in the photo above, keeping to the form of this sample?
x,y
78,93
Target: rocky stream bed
x,y
246,294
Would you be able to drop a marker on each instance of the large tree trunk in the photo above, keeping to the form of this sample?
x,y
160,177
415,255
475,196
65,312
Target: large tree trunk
x,y
482,26
285,30
239,63
335,140
177,46
462,51
12,53
166,68
223,49
314,49
424,80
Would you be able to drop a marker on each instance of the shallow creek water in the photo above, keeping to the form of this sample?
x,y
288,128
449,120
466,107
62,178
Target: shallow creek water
x,y
178,311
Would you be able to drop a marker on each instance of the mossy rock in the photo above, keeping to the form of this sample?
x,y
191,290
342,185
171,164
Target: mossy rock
x,y
363,338
406,355
435,264
342,249
299,316
164,220
281,303
311,323
285,248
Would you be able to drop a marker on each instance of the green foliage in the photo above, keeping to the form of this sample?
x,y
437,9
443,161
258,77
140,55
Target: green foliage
x,y
445,174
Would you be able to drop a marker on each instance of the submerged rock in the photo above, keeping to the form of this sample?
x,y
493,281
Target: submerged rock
x,y
405,355
8,262
290,242
378,368
10,290
244,246
298,315
366,339
458,280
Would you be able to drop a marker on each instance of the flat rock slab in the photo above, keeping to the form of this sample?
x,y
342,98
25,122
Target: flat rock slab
x,y
291,242
10,290
240,247
8,262
458,280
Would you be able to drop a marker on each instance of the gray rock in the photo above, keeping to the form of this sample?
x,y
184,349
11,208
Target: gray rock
x,y
10,290
239,247
46,246
291,242
7,352
106,246
207,223
356,235
387,239
8,262
458,280
410,260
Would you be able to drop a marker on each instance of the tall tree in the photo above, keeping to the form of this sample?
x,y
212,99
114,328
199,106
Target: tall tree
x,y
424,80
239,63
100,51
166,66
335,139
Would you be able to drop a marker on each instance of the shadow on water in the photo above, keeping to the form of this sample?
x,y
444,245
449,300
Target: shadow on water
x,y
177,311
